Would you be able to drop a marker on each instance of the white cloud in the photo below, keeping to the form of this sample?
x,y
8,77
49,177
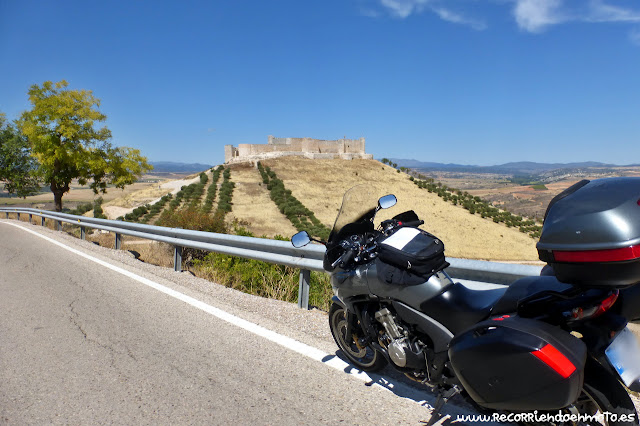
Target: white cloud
x,y
404,8
535,15
448,15
601,12
369,13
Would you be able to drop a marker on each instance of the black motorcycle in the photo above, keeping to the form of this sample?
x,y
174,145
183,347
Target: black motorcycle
x,y
546,349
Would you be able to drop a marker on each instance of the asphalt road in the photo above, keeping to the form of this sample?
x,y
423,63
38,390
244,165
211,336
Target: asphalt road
x,y
81,343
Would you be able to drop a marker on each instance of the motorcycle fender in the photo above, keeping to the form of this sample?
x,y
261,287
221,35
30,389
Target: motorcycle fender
x,y
440,335
336,300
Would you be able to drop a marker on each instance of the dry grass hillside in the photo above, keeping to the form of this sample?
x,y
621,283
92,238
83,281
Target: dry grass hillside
x,y
320,184
253,207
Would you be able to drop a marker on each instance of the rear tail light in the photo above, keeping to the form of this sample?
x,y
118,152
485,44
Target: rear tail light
x,y
593,311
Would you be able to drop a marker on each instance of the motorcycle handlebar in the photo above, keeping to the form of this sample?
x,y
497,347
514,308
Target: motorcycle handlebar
x,y
414,223
344,259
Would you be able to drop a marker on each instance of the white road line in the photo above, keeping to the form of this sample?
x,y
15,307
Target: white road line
x,y
282,340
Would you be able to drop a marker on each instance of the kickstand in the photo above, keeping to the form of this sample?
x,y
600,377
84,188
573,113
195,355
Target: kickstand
x,y
443,398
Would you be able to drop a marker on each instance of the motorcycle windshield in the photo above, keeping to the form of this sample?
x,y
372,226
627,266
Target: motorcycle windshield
x,y
358,205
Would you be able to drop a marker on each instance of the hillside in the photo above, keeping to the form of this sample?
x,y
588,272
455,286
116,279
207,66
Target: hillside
x,y
320,185
253,207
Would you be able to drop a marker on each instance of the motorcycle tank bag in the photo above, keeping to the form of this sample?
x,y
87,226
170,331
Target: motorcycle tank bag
x,y
519,364
413,250
591,233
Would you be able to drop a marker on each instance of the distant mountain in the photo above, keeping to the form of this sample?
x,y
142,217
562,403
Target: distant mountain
x,y
173,167
416,164
529,166
522,167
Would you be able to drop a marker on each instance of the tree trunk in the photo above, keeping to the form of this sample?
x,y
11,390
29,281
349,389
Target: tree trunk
x,y
58,192
57,198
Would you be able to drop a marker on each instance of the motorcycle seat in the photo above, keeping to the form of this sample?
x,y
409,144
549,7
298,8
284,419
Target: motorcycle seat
x,y
525,287
459,307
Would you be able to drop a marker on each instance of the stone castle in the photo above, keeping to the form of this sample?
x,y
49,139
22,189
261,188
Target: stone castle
x,y
302,147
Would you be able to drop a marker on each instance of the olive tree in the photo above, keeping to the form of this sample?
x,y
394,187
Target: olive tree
x,y
62,133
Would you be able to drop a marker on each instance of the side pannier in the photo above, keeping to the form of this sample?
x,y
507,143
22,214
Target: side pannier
x,y
514,363
413,250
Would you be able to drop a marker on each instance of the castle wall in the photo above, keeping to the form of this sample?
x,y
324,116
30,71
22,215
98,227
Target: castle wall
x,y
307,147
354,146
230,152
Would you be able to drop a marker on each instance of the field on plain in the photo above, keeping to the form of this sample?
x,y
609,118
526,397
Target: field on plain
x,y
528,200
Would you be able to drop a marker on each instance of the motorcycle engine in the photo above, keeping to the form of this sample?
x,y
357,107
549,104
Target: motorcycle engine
x,y
397,342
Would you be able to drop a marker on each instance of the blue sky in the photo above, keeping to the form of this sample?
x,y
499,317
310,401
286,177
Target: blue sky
x,y
466,81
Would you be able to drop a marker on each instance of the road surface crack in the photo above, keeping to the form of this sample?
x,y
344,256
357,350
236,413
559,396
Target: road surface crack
x,y
75,320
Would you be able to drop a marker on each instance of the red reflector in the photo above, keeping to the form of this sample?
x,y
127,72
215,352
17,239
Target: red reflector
x,y
554,359
613,255
501,318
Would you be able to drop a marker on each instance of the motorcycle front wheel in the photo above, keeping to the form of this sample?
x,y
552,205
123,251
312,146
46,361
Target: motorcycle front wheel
x,y
364,358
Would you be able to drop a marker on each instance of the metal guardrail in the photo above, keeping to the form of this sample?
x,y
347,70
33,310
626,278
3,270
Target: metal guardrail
x,y
306,259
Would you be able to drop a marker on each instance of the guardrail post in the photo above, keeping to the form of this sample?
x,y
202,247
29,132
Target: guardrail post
x,y
83,233
7,213
303,289
118,241
30,217
177,258
59,225
42,219
18,215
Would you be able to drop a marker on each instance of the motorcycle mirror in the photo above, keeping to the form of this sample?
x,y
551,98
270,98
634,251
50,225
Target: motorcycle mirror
x,y
387,201
301,239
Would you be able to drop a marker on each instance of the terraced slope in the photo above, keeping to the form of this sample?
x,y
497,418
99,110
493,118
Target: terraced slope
x,y
253,207
320,184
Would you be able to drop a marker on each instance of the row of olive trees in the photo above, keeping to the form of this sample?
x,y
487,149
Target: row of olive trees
x,y
186,211
213,189
57,141
395,165
476,205
300,217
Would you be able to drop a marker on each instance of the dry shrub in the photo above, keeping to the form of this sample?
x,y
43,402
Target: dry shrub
x,y
153,252
103,239
262,278
193,219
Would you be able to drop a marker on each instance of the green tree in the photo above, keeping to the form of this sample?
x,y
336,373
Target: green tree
x,y
60,130
18,169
